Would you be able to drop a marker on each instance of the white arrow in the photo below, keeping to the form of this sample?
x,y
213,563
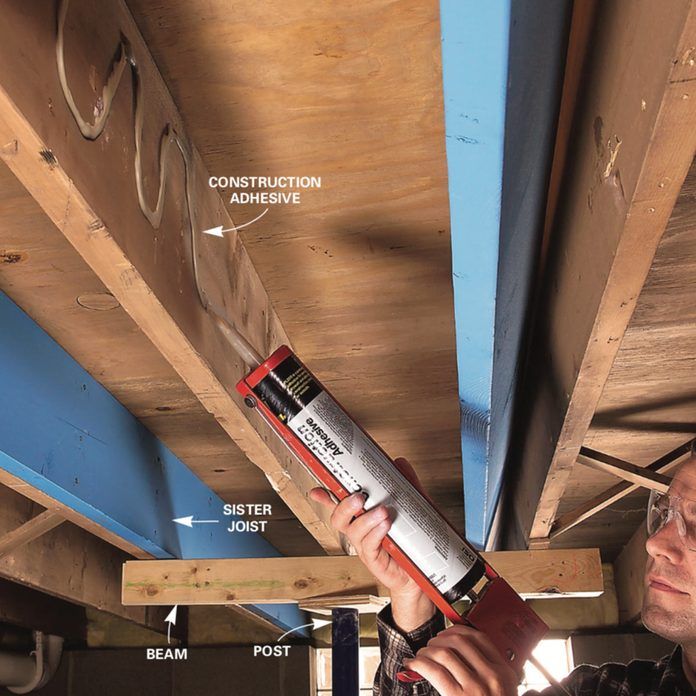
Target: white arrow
x,y
316,623
188,521
171,621
218,231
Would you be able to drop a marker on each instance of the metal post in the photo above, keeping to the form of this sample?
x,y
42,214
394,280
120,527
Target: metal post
x,y
345,634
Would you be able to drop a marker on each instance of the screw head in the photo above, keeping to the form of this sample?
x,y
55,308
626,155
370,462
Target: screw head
x,y
250,401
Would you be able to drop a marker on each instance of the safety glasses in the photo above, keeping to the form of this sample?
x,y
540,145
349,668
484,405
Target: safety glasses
x,y
665,507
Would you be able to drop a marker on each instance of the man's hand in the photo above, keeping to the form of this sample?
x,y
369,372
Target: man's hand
x,y
410,607
462,660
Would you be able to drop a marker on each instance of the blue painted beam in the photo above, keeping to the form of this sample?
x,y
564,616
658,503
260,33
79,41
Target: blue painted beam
x,y
502,63
474,64
65,435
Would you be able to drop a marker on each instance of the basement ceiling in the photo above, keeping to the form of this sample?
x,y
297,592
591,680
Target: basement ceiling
x,y
360,272
648,406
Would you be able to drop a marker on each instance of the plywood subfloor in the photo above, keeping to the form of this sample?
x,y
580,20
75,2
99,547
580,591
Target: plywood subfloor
x,y
45,276
359,272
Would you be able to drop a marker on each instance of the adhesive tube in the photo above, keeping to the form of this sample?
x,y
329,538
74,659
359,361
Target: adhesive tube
x,y
346,460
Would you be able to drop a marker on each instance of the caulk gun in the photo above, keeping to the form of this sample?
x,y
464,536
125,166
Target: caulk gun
x,y
345,459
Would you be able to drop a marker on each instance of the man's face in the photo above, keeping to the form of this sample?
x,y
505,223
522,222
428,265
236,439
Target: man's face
x,y
669,603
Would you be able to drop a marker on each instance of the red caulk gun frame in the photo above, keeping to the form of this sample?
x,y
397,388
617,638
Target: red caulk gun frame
x,y
496,609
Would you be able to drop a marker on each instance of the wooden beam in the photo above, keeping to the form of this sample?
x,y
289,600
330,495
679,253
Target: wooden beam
x,y
618,467
575,572
629,572
594,505
364,604
576,613
68,563
55,287
30,530
82,187
631,153
66,439
579,43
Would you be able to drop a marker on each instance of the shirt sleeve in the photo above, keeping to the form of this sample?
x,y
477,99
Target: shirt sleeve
x,y
582,680
395,646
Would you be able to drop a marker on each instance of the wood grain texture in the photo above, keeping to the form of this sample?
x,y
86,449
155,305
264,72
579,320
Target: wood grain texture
x,y
630,158
629,573
286,580
86,189
360,272
67,563
578,613
647,406
47,278
28,531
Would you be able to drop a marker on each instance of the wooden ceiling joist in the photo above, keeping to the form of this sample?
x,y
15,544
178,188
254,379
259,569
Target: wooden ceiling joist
x,y
624,470
279,580
631,153
32,529
612,495
629,574
51,282
68,563
87,188
66,443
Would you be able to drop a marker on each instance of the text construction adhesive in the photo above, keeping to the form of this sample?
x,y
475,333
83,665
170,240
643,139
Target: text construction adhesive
x,y
265,190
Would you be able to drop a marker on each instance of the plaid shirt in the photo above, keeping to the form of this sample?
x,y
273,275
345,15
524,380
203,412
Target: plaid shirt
x,y
638,678
394,647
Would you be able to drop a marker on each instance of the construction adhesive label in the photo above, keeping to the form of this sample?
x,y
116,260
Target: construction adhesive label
x,y
354,459
265,190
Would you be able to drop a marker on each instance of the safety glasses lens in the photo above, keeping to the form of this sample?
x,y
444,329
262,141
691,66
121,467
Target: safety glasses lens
x,y
658,512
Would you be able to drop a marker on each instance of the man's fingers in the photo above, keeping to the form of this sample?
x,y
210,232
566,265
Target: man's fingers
x,y
479,639
319,495
437,674
450,659
371,545
479,653
404,466
362,526
346,510
495,677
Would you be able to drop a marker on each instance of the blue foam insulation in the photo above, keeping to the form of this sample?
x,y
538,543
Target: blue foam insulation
x,y
502,74
65,435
